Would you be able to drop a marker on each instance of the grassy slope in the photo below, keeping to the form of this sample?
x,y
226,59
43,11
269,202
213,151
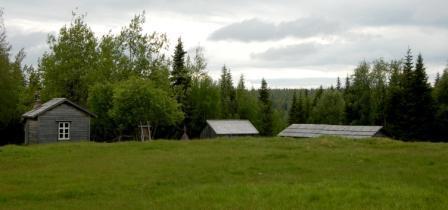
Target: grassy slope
x,y
325,173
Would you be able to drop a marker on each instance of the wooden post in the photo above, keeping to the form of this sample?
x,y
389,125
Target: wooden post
x,y
149,130
142,135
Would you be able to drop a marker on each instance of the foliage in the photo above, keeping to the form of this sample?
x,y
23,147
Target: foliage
x,y
206,97
329,109
227,93
409,108
99,102
266,122
440,94
299,112
361,88
12,90
139,53
180,75
71,58
137,100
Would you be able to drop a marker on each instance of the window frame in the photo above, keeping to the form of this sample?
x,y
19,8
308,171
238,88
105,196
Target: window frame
x,y
65,130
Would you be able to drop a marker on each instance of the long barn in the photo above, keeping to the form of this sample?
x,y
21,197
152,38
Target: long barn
x,y
228,128
316,130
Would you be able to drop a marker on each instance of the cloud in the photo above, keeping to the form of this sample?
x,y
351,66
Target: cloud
x,y
290,52
33,42
353,48
258,30
312,82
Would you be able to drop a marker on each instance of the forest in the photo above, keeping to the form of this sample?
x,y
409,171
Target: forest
x,y
131,77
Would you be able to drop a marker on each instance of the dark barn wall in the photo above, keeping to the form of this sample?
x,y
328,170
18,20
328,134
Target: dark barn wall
x,y
380,133
31,131
48,124
207,133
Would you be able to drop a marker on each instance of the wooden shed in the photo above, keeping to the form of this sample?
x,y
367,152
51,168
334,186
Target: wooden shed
x,y
57,120
349,131
228,128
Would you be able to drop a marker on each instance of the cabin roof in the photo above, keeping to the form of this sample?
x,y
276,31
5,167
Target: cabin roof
x,y
50,105
229,127
315,130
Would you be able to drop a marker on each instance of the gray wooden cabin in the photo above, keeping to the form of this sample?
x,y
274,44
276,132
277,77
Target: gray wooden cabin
x,y
228,128
55,121
316,130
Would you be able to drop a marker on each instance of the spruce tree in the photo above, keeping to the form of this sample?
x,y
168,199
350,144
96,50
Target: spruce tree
x,y
293,110
317,95
180,76
228,94
306,106
338,84
181,82
301,110
347,83
266,108
441,99
394,101
437,79
421,104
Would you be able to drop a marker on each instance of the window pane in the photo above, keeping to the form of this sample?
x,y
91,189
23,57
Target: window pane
x,y
66,136
61,136
60,131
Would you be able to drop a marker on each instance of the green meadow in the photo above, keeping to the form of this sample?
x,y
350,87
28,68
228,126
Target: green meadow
x,y
244,173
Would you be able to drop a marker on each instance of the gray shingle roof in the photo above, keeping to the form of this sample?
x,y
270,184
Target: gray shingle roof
x,y
50,105
230,127
315,130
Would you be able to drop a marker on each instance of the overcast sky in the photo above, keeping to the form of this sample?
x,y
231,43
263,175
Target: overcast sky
x,y
291,43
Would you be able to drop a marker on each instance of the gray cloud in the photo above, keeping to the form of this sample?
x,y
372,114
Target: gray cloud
x,y
353,50
313,82
258,30
34,43
290,52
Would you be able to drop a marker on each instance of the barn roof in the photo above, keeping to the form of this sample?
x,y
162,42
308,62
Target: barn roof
x,y
315,130
229,127
50,105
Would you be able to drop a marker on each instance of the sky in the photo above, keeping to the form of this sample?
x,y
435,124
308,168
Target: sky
x,y
290,43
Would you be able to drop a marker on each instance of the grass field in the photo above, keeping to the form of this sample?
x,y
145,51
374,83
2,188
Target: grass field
x,y
253,173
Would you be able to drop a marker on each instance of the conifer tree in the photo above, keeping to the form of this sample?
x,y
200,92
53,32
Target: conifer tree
x,y
394,100
301,110
293,112
421,104
267,112
441,98
437,79
227,91
180,76
338,84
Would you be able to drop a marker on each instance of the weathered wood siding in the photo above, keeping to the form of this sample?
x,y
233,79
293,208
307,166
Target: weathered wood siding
x,y
207,133
31,131
48,124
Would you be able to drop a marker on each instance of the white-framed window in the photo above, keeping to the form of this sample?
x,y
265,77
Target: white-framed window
x,y
64,131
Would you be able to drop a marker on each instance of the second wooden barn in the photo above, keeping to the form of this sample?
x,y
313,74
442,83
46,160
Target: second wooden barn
x,y
315,130
228,128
